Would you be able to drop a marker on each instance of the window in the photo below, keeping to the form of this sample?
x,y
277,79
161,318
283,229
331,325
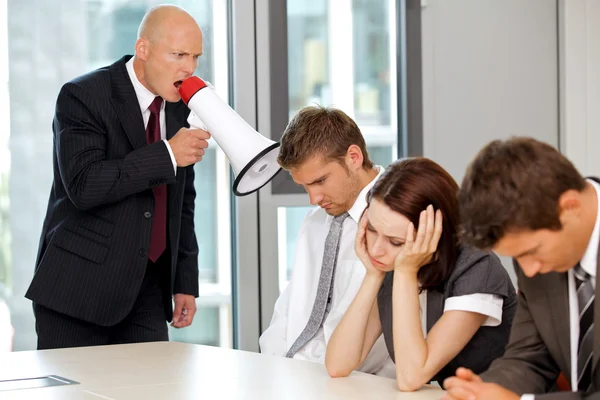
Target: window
x,y
341,53
42,54
289,220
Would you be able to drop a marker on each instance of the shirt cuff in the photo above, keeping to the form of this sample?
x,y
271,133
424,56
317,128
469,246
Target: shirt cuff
x,y
172,156
481,303
528,397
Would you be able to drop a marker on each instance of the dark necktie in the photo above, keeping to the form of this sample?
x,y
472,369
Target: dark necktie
x,y
324,290
158,241
585,299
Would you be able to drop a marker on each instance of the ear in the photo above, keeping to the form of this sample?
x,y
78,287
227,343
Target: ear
x,y
142,48
354,157
569,205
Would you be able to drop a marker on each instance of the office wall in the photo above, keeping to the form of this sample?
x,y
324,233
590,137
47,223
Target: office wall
x,y
490,70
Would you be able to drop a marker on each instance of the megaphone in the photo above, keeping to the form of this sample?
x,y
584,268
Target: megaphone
x,y
252,156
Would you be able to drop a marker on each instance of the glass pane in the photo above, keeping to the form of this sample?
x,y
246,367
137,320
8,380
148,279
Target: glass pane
x,y
289,220
382,155
341,53
209,316
371,55
205,218
43,54
307,53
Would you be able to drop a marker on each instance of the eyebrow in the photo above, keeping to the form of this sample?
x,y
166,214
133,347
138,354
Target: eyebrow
x,y
527,252
395,238
389,237
317,180
186,53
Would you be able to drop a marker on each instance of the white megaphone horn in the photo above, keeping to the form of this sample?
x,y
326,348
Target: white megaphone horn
x,y
252,156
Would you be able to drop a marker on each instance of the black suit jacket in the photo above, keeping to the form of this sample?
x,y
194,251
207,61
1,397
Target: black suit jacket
x,y
94,244
539,347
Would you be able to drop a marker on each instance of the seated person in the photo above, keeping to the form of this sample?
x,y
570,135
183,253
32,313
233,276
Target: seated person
x,y
524,199
439,304
325,152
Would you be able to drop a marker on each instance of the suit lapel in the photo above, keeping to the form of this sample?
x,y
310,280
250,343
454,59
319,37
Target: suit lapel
x,y
126,104
596,348
596,351
173,124
557,293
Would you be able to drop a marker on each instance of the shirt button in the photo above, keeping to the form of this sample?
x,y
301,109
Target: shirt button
x,y
143,253
147,214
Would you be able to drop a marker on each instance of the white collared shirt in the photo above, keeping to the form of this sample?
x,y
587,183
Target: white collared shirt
x,y
589,263
145,98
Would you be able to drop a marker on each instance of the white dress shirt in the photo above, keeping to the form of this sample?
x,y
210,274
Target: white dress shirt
x,y
145,98
293,307
589,264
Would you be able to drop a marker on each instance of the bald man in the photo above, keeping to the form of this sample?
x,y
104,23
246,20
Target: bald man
x,y
118,247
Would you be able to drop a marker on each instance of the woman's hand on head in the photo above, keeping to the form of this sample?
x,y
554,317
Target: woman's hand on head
x,y
419,249
360,246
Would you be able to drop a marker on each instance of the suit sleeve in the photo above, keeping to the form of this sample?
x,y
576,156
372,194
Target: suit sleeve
x,y
92,179
568,396
526,366
186,274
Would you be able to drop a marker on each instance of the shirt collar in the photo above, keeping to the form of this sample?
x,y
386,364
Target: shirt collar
x,y
590,257
144,96
361,201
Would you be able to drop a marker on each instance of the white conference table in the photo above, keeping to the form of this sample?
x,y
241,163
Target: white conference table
x,y
171,370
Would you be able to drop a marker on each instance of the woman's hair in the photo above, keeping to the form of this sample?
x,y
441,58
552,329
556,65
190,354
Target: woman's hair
x,y
408,186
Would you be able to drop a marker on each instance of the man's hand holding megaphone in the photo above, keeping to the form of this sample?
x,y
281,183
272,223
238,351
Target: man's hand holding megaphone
x,y
188,146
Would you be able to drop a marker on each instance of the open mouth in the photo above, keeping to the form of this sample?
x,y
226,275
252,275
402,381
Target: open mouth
x,y
177,84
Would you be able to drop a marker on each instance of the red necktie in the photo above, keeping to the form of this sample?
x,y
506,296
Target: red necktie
x,y
158,241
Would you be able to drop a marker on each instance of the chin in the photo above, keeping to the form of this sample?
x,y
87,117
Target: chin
x,y
563,268
173,98
172,95
333,211
384,268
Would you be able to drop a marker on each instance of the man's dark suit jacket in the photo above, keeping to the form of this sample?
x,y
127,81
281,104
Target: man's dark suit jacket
x,y
539,344
94,244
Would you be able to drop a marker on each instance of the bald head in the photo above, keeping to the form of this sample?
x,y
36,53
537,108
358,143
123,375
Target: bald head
x,y
161,19
167,50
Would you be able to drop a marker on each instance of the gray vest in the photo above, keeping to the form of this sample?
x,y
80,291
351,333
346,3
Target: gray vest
x,y
475,272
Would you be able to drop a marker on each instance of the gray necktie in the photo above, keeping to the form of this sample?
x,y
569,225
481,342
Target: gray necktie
x,y
585,299
332,246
